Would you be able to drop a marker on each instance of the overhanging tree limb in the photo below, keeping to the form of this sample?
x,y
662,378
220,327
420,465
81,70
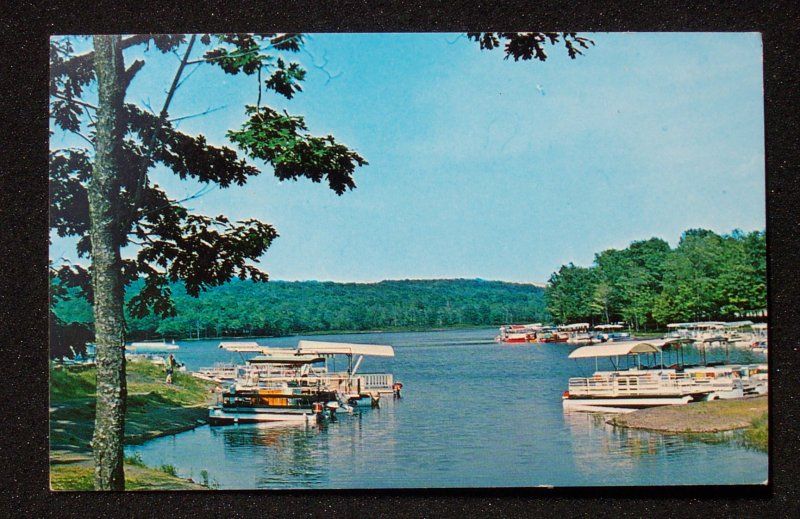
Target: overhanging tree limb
x,y
142,180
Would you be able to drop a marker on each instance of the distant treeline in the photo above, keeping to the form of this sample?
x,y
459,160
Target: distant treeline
x,y
280,308
706,277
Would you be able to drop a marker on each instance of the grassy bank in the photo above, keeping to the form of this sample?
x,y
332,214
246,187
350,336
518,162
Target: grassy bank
x,y
749,414
154,409
76,473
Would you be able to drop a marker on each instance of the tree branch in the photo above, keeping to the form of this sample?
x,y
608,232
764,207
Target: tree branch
x,y
162,118
204,112
274,41
135,67
76,101
88,57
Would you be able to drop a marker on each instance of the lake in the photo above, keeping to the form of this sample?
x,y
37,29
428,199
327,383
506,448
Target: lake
x,y
474,413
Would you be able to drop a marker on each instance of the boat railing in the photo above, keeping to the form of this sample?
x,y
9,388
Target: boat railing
x,y
340,382
376,381
638,384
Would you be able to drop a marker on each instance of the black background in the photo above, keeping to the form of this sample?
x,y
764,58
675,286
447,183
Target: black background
x,y
24,228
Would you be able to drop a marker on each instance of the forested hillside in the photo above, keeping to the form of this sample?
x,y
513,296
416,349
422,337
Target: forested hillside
x,y
706,277
280,307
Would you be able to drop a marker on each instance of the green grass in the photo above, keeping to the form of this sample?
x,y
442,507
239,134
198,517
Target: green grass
x,y
757,435
80,476
154,407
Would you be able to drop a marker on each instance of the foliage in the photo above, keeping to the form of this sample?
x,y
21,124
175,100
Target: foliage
x,y
135,459
170,242
168,469
530,45
279,308
757,435
707,276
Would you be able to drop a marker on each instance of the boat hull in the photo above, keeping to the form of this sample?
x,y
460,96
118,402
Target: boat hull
x,y
514,340
627,404
221,416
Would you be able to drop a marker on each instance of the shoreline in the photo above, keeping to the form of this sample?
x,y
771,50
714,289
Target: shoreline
x,y
333,332
155,410
745,414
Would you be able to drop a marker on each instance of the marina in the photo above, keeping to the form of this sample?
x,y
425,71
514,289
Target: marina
x,y
429,436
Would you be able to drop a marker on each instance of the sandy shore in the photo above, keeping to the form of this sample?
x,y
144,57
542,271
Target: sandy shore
x,y
701,417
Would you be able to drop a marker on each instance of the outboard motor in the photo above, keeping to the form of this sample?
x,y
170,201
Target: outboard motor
x,y
331,408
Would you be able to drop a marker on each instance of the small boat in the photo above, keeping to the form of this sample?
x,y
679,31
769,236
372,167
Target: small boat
x,y
549,335
517,333
610,333
578,334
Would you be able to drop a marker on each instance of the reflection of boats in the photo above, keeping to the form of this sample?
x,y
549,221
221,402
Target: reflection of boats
x,y
517,333
284,385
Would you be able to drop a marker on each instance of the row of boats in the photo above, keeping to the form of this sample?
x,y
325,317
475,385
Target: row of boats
x,y
740,333
303,385
646,379
578,333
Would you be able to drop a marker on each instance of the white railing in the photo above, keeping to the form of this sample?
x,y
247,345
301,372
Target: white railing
x,y
666,384
376,381
337,382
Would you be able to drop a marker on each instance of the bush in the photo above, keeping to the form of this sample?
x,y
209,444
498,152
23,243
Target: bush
x,y
135,459
169,469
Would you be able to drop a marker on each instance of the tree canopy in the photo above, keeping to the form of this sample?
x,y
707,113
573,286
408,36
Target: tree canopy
x,y
707,276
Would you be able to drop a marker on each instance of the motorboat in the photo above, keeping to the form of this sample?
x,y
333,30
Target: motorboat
x,y
517,333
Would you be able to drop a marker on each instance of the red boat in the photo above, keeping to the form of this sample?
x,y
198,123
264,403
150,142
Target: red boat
x,y
517,333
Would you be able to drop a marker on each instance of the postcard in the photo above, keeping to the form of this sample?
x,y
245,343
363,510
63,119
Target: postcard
x,y
418,260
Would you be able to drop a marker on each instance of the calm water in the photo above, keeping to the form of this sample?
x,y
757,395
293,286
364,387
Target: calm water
x,y
473,413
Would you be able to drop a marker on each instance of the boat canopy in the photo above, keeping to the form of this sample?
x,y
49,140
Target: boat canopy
x,y
285,358
240,346
615,349
739,324
609,327
759,326
344,348
575,326
704,324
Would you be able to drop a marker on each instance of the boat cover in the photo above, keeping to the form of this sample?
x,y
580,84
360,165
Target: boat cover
x,y
614,349
344,348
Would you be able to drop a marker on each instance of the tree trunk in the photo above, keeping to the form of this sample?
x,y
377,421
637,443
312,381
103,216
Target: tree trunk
x,y
109,322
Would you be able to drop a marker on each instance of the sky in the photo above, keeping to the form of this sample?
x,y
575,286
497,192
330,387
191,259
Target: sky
x,y
481,167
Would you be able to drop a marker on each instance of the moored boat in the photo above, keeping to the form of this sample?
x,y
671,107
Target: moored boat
x,y
284,385
517,333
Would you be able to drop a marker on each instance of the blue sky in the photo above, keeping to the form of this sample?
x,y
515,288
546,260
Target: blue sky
x,y
481,167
